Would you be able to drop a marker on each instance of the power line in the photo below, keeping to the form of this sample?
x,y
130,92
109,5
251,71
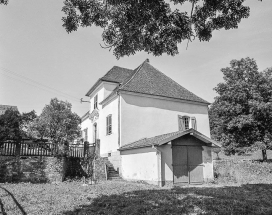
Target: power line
x,y
43,87
37,84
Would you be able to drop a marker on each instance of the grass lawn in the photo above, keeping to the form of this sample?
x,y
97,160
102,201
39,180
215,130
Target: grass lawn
x,y
120,197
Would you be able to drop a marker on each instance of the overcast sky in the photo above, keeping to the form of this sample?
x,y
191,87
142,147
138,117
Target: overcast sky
x,y
39,60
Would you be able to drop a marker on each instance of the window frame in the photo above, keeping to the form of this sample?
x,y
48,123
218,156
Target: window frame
x,y
95,101
109,124
186,122
181,122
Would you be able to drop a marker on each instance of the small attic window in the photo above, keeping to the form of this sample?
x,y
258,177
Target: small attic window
x,y
186,122
183,122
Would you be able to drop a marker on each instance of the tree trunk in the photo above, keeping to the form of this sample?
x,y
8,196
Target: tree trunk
x,y
264,155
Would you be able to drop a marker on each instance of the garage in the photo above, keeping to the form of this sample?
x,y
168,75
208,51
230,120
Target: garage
x,y
178,158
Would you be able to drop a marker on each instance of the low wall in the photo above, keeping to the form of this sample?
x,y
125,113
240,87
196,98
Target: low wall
x,y
39,169
242,171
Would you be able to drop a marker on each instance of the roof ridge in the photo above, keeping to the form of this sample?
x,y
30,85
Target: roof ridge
x,y
136,72
111,70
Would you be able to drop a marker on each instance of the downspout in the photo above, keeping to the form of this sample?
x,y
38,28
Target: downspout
x,y
119,119
158,153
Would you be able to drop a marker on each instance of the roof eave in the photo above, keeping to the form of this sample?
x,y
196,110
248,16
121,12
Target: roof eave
x,y
99,81
168,97
139,147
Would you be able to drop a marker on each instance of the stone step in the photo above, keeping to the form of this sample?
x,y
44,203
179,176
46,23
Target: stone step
x,y
113,175
115,178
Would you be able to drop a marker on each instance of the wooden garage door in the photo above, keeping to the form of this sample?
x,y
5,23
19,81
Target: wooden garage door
x,y
187,164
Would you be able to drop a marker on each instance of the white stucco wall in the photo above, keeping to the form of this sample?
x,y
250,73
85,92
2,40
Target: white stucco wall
x,y
147,117
103,90
109,143
140,164
166,162
108,88
207,163
87,124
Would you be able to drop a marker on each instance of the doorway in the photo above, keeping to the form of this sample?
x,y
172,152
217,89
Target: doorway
x,y
187,164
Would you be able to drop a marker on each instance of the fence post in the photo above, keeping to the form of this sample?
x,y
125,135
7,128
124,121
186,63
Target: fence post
x,y
86,149
17,148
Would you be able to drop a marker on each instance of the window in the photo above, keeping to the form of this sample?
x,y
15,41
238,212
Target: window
x,y
95,101
184,123
109,125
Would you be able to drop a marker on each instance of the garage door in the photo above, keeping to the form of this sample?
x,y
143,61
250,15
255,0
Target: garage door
x,y
187,164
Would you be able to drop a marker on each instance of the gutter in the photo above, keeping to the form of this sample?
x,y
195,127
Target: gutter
x,y
159,161
119,114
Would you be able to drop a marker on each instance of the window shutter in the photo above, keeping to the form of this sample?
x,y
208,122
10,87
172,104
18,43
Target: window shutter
x,y
181,124
110,124
107,125
193,122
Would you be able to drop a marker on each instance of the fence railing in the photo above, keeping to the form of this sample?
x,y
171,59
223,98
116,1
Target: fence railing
x,y
30,148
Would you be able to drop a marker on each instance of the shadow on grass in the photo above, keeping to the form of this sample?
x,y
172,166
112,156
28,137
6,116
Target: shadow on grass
x,y
247,199
14,200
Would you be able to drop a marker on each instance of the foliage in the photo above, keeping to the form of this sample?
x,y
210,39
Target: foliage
x,y
241,115
13,125
58,123
154,26
4,2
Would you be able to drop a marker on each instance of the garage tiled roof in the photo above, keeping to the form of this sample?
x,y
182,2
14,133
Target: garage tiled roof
x,y
148,80
165,138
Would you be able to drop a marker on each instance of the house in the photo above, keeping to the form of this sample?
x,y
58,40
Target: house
x,y
149,127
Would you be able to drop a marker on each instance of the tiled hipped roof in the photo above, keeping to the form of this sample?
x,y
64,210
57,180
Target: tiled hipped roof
x,y
147,80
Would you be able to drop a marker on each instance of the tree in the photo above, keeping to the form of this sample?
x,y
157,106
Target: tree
x,y
13,125
153,26
58,123
4,2
241,115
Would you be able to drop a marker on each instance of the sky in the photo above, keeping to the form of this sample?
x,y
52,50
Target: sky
x,y
39,60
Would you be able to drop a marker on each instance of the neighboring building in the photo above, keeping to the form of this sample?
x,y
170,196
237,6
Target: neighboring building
x,y
3,108
150,127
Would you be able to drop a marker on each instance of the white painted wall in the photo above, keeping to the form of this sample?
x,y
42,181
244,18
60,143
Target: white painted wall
x,y
147,117
207,164
108,88
87,124
166,162
140,164
109,143
103,90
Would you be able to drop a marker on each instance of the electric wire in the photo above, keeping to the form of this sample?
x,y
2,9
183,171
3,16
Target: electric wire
x,y
34,83
40,86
